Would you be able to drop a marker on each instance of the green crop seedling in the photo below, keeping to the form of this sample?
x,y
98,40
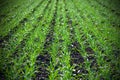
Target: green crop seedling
x,y
59,40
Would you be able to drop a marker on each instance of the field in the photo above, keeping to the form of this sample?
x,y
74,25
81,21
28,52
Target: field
x,y
59,40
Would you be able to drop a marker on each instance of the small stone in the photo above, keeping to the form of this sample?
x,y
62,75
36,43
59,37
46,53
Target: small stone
x,y
78,71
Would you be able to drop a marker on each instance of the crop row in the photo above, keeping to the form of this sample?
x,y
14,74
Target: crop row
x,y
59,39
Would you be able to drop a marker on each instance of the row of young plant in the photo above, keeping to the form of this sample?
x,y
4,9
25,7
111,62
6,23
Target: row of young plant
x,y
104,26
44,57
7,14
27,42
15,21
76,59
111,5
81,72
86,33
8,9
94,42
105,32
113,48
111,18
104,44
60,66
35,47
6,5
111,21
18,38
23,30
12,14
